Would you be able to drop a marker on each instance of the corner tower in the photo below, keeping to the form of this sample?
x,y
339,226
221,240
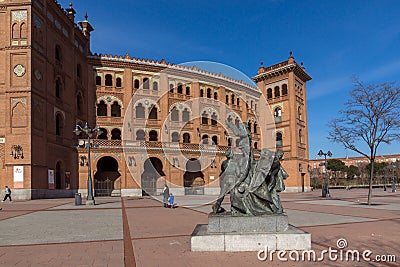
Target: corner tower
x,y
284,87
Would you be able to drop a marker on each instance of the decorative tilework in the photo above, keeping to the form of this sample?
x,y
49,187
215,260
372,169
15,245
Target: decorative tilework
x,y
19,15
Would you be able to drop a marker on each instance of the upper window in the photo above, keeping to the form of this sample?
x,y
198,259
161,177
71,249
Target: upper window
x,y
116,134
174,114
187,90
186,138
153,135
98,80
284,89
115,109
136,84
180,88
108,80
208,93
278,114
185,115
118,82
146,83
140,111
277,91
102,109
59,124
79,71
58,53
279,139
269,93
58,88
204,118
155,86
153,113
171,88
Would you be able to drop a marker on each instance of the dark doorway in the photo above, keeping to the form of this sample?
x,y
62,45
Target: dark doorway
x,y
193,179
58,175
153,169
106,179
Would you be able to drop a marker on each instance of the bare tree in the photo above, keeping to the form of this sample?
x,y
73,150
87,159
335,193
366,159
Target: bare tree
x,y
371,117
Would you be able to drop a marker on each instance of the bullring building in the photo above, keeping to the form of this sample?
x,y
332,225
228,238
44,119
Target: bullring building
x,y
51,81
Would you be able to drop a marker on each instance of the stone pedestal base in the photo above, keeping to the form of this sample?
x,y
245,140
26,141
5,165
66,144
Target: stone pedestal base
x,y
248,233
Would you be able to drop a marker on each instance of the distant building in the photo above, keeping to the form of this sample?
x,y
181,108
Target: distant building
x,y
50,81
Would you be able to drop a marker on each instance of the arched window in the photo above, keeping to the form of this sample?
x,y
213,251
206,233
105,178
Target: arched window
x,y
79,104
146,84
205,139
214,118
186,138
116,134
140,135
204,118
215,140
58,53
15,31
278,114
58,88
59,124
301,136
232,99
175,137
108,80
155,86
118,82
153,135
269,93
227,99
174,114
153,113
255,145
185,115
180,88
277,91
237,101
201,93
79,71
255,127
299,112
98,80
284,89
171,88
101,109
215,95
249,125
279,139
208,92
115,109
229,141
140,111
187,90
23,31
251,104
136,84
103,134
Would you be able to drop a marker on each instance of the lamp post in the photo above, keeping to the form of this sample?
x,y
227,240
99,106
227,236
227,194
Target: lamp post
x,y
325,192
89,132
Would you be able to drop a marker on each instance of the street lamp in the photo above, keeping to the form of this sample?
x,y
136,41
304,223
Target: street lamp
x,y
393,180
89,132
325,192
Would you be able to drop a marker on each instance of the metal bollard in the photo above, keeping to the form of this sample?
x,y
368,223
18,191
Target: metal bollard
x,y
78,199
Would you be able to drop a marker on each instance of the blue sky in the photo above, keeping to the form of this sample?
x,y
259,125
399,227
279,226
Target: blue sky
x,y
335,39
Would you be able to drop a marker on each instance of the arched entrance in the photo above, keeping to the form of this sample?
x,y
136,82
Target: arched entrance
x,y
153,169
107,181
193,179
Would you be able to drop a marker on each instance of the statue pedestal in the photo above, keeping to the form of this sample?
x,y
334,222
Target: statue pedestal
x,y
248,233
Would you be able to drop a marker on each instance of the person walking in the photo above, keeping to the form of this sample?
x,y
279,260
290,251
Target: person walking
x,y
8,194
165,195
171,199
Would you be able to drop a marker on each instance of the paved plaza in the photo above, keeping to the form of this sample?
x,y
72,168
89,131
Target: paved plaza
x,y
141,232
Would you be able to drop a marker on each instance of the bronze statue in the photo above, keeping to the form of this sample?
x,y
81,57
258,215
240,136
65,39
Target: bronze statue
x,y
253,184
